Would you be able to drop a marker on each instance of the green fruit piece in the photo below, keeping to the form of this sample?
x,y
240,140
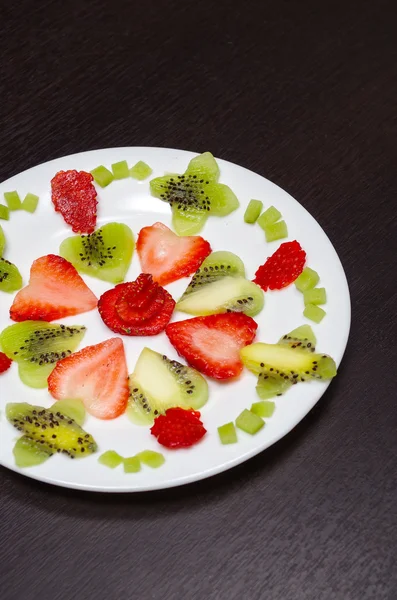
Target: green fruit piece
x,y
303,333
249,422
2,241
315,296
4,212
105,254
55,433
253,211
37,346
235,294
227,434
151,459
13,200
72,408
120,170
110,459
263,409
195,195
140,171
287,362
102,176
269,386
30,203
216,266
307,280
28,453
270,216
314,313
10,277
132,464
276,231
159,383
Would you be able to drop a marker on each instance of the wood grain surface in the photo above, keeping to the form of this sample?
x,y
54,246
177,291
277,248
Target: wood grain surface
x,y
305,94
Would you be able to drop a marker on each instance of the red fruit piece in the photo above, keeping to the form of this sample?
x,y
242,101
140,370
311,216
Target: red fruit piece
x,y
97,375
74,196
55,291
140,300
282,268
178,428
5,363
212,344
168,256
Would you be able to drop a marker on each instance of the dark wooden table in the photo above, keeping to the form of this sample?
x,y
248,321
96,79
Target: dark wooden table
x,y
305,94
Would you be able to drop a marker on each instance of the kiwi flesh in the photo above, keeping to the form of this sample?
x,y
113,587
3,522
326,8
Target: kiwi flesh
x,y
159,383
105,254
37,346
29,453
2,241
71,408
216,266
54,431
10,277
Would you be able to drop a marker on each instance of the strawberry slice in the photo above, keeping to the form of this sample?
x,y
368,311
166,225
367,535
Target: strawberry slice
x,y
168,256
74,196
55,291
122,315
212,344
97,375
178,428
5,363
282,268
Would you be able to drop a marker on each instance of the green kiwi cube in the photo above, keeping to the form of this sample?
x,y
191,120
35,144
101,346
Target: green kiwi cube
x,y
4,212
249,422
276,231
30,203
28,453
263,409
13,200
315,296
132,464
307,280
2,241
102,176
120,170
151,459
10,277
110,459
253,211
140,171
227,433
314,313
270,216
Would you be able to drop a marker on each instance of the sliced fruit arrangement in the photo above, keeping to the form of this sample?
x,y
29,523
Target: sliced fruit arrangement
x,y
220,286
212,344
282,268
105,254
195,195
74,196
159,383
312,295
55,290
167,256
13,202
132,464
141,307
103,177
97,375
178,428
37,346
5,363
270,222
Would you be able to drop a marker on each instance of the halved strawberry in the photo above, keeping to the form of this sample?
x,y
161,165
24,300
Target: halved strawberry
x,y
282,268
168,256
97,375
212,344
5,363
178,428
74,196
55,291
140,299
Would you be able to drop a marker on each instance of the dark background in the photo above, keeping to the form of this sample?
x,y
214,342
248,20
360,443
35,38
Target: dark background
x,y
305,94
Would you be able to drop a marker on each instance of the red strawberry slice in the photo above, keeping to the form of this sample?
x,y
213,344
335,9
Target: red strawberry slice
x,y
168,256
55,291
178,428
212,344
282,268
5,363
74,196
97,375
141,299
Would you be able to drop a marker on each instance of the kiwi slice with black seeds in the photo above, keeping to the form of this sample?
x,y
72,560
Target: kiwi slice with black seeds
x,y
216,266
2,241
10,277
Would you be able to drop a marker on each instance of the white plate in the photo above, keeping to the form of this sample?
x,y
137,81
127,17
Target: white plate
x,y
129,201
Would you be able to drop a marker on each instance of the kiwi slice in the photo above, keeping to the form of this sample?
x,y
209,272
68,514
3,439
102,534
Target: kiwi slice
x,y
105,254
2,241
269,386
37,345
10,277
29,453
195,195
55,432
71,408
159,383
216,266
303,333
